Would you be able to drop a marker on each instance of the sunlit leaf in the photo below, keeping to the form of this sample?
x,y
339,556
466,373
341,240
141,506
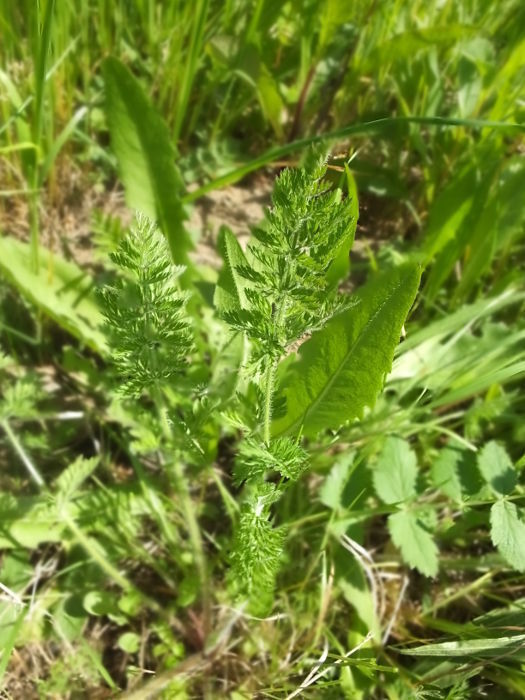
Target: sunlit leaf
x,y
342,368
145,155
395,472
414,541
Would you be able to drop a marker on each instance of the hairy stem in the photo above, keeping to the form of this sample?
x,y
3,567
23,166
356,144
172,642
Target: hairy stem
x,y
271,372
268,398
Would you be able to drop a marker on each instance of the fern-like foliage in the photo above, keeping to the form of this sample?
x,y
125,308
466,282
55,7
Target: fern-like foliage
x,y
285,294
257,548
145,311
71,480
288,292
282,455
18,398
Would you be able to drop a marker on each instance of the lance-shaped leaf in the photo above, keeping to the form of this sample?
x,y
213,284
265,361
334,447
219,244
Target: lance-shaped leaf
x,y
498,646
146,156
342,367
60,288
229,292
340,267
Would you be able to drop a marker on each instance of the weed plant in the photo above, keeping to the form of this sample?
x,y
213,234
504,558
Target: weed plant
x,y
295,470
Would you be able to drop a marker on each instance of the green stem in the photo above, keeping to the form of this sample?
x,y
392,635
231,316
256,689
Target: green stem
x,y
17,446
271,373
188,512
268,398
181,485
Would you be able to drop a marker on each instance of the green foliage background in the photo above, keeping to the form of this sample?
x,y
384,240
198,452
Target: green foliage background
x,y
231,473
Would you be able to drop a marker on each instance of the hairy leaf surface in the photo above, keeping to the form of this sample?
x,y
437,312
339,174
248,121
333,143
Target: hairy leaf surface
x,y
342,367
229,292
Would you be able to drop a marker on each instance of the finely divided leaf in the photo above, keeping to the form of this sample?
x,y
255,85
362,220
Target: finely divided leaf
x,y
257,549
72,478
415,543
145,155
508,533
229,292
497,469
342,367
282,455
146,312
396,472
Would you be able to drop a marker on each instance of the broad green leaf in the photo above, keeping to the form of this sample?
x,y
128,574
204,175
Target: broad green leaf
x,y
497,469
28,523
229,292
415,543
396,472
333,486
470,647
129,642
341,265
270,100
342,367
146,156
444,473
508,533
60,288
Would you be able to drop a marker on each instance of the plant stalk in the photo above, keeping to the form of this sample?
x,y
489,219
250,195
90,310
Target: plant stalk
x,y
189,514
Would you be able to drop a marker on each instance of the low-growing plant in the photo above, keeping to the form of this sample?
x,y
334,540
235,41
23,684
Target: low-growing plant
x,y
220,401
273,297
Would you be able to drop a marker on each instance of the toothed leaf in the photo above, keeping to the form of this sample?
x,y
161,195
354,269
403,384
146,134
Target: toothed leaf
x,y
342,368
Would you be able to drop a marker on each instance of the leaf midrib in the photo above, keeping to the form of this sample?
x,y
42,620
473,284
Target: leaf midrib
x,y
302,418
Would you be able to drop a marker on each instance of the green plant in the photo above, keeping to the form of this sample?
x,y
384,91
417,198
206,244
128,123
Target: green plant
x,y
275,294
248,451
